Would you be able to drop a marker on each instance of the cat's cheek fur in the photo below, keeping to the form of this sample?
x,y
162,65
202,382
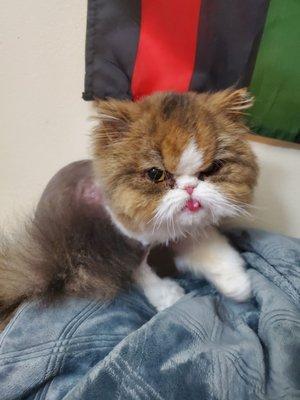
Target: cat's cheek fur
x,y
214,202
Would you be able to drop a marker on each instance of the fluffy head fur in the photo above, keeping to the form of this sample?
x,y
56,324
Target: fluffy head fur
x,y
196,139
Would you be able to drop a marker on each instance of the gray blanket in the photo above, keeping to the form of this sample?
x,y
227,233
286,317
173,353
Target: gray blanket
x,y
204,347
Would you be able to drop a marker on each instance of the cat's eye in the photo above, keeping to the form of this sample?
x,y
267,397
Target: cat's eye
x,y
156,174
211,170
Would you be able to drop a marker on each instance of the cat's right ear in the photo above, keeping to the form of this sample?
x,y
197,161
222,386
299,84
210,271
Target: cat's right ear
x,y
115,117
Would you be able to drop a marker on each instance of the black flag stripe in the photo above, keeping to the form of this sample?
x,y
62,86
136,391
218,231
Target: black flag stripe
x,y
228,39
112,38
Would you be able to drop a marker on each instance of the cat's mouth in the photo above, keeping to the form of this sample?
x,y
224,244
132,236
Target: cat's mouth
x,y
192,205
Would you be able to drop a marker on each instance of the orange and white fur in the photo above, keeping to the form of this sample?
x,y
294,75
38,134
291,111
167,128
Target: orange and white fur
x,y
172,167
165,169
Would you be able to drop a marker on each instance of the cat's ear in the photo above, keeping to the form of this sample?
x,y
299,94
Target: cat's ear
x,y
232,102
115,116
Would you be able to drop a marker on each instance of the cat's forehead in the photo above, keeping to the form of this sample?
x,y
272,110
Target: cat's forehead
x,y
184,155
185,135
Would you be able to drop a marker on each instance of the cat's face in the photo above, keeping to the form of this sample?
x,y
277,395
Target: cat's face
x,y
172,163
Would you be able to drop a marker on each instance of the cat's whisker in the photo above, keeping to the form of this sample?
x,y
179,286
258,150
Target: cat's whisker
x,y
182,232
213,216
158,218
173,225
103,116
156,225
239,209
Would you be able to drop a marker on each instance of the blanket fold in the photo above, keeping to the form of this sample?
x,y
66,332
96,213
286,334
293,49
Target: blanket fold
x,y
203,347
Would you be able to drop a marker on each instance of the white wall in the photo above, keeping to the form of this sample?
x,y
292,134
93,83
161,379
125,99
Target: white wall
x,y
44,123
43,119
277,197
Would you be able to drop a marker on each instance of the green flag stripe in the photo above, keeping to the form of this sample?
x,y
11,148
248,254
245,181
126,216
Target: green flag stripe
x,y
276,78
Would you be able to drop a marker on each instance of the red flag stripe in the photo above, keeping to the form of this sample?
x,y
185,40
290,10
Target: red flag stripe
x,y
167,46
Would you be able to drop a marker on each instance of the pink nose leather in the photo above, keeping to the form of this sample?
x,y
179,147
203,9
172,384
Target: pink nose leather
x,y
189,189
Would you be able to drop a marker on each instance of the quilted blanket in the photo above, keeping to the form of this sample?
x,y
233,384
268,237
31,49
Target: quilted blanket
x,y
203,347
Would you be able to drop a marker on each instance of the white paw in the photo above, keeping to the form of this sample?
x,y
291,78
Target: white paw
x,y
164,294
236,286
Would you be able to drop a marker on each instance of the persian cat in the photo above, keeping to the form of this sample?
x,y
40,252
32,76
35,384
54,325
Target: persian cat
x,y
165,170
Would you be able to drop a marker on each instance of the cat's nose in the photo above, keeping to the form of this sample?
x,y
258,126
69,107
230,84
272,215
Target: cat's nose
x,y
189,189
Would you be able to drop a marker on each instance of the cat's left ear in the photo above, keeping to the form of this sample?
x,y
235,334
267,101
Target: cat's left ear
x,y
233,102
116,116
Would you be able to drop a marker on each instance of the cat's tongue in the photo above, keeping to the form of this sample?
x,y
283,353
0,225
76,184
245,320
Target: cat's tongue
x,y
193,205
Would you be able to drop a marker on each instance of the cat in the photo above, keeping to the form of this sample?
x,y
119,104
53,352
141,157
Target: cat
x,y
165,169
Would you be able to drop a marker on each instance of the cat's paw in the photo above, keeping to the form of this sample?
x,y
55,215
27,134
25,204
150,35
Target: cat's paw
x,y
165,294
237,286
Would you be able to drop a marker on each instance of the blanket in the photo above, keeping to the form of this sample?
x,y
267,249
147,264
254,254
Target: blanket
x,y
203,347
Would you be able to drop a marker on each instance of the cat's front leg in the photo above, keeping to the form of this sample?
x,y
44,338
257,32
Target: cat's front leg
x,y
161,292
212,256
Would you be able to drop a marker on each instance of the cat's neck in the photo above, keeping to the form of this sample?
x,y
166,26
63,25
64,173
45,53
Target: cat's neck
x,y
145,238
150,237
126,232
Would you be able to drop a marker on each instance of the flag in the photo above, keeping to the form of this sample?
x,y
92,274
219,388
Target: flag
x,y
137,47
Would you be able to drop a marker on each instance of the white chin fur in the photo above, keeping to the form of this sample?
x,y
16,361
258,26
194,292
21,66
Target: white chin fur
x,y
172,221
214,203
172,218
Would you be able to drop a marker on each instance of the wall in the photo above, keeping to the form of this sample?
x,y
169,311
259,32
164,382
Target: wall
x,y
44,123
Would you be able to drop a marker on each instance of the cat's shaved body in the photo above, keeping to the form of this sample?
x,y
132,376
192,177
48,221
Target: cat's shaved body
x,y
70,247
166,169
